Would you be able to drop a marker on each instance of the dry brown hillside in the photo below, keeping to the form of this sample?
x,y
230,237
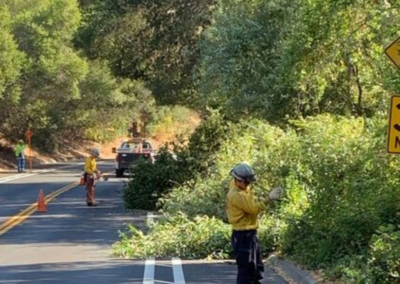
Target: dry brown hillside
x,y
73,150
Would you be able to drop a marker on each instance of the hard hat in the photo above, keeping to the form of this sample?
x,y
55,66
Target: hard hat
x,y
95,152
243,172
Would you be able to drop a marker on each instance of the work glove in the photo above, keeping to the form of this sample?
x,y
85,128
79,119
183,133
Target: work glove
x,y
276,193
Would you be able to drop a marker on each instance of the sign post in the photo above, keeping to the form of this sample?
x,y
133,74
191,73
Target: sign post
x,y
29,136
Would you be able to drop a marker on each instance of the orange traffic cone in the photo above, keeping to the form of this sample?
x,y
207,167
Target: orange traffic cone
x,y
41,206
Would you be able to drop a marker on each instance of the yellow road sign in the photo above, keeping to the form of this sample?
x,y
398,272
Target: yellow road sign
x,y
394,126
393,52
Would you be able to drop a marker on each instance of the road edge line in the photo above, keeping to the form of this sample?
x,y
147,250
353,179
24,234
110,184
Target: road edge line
x,y
177,270
149,271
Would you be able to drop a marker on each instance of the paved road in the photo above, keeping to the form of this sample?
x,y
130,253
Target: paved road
x,y
71,243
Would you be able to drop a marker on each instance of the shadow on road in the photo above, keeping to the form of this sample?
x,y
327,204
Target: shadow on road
x,y
70,221
106,272
123,272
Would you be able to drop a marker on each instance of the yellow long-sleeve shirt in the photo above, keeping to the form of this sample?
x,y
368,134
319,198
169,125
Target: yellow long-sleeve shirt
x,y
90,165
242,209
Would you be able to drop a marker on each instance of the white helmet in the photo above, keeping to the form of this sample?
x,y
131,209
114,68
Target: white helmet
x,y
243,172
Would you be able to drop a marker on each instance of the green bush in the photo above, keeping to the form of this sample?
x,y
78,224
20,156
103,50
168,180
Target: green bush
x,y
197,237
200,237
379,263
149,182
341,188
351,192
385,255
203,198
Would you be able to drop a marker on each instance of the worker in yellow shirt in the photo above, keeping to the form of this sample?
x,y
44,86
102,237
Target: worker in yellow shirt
x,y
242,211
91,174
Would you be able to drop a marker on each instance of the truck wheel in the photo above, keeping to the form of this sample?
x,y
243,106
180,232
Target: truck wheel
x,y
119,173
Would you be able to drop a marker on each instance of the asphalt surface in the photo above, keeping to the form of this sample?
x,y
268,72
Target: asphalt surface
x,y
71,243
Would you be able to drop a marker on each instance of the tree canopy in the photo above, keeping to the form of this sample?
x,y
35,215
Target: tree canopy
x,y
154,41
294,58
273,60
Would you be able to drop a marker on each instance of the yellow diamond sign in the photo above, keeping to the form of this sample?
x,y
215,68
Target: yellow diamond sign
x,y
394,126
393,52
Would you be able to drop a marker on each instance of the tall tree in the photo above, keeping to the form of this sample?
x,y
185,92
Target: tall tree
x,y
12,59
279,59
155,41
43,30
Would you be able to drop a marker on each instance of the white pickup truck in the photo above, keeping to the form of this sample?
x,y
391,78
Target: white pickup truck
x,y
130,152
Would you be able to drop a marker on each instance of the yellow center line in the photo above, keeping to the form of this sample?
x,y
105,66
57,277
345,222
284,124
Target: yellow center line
x,y
56,193
17,217
24,214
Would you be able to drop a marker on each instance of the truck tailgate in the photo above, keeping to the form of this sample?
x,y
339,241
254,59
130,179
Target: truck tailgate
x,y
128,158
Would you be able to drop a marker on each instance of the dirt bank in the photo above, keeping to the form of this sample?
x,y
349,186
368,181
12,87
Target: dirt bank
x,y
77,150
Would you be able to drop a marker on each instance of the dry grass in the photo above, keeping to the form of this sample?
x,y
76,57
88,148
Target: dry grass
x,y
168,132
70,151
75,150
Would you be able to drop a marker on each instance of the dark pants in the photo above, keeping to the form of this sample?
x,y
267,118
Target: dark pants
x,y
248,257
90,186
21,164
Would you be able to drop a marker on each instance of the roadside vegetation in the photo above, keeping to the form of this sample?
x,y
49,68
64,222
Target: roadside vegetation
x,y
51,83
340,212
300,89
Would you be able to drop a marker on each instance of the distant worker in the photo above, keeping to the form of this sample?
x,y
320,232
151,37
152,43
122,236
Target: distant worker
x,y
19,151
242,211
91,174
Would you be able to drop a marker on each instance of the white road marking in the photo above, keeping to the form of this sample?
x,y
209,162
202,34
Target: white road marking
x,y
3,180
148,276
112,180
35,172
19,176
44,171
179,278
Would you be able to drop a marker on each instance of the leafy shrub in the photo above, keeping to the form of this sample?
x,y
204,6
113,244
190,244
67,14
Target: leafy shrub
x,y
351,190
247,141
385,255
379,264
200,237
150,181
203,198
341,187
